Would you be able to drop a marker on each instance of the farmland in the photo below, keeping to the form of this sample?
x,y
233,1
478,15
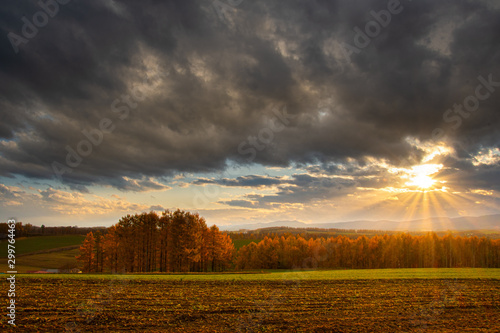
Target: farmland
x,y
43,252
312,301
52,260
41,243
280,275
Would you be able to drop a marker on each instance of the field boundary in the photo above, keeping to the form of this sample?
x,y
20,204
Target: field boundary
x,y
367,274
57,249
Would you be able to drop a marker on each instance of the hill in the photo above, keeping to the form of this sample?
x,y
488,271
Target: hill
x,y
488,222
43,252
36,244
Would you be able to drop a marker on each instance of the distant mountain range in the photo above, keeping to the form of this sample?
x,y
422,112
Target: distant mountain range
x,y
489,222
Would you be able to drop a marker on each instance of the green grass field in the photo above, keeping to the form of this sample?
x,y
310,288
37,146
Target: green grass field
x,y
28,257
354,274
39,243
52,260
58,259
239,243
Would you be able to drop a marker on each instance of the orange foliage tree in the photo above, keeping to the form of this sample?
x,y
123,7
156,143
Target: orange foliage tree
x,y
175,241
387,251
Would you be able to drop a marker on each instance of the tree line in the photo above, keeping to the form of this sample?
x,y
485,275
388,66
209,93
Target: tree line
x,y
173,242
306,233
29,230
387,251
181,242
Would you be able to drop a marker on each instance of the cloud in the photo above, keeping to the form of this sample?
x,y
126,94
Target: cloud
x,y
64,202
157,208
139,185
11,196
243,181
240,203
79,188
206,87
297,189
74,203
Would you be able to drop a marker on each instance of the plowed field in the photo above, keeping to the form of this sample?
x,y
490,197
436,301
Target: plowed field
x,y
148,305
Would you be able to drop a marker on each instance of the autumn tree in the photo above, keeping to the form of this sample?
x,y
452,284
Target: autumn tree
x,y
387,251
87,255
176,241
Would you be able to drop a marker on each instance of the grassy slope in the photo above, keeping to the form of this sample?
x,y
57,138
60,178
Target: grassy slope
x,y
31,244
359,274
36,262
239,243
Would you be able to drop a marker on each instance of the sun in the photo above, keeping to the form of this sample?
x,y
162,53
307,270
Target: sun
x,y
421,181
420,175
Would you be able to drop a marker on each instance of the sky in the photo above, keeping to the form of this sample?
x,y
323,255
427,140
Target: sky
x,y
249,111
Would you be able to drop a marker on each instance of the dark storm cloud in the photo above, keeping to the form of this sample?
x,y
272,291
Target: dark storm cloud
x,y
298,191
244,181
141,185
299,188
461,174
211,84
79,188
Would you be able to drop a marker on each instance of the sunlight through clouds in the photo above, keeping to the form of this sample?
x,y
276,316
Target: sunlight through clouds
x,y
489,156
191,102
420,175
